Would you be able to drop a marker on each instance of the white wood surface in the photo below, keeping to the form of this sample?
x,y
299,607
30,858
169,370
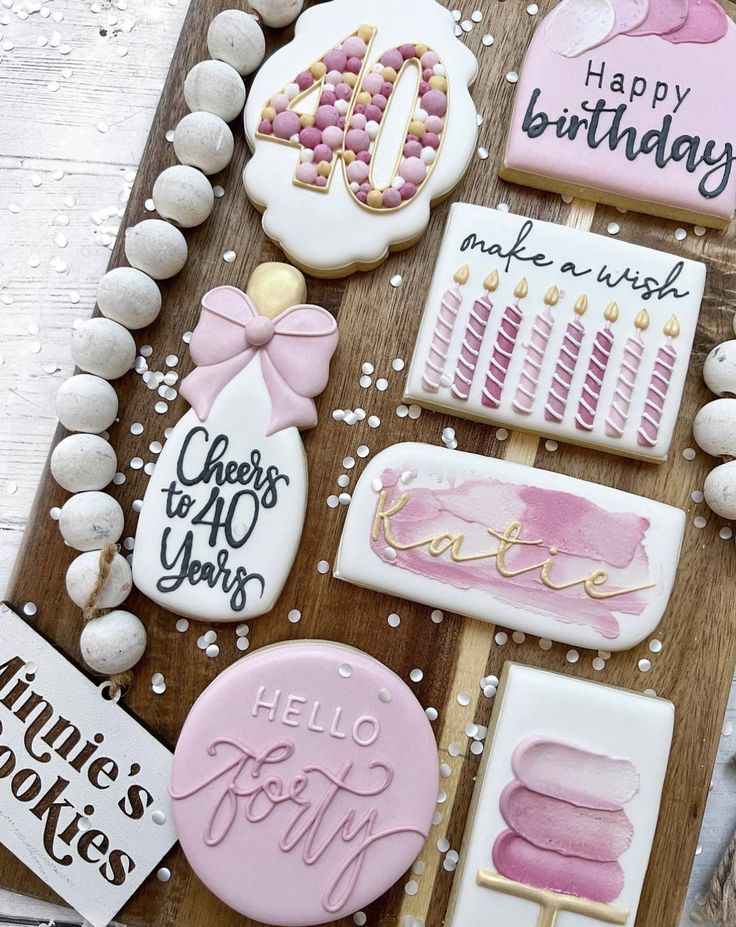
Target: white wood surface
x,y
79,83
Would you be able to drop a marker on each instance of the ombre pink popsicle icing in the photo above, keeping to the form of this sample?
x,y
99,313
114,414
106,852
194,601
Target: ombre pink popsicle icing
x,y
474,333
567,827
503,349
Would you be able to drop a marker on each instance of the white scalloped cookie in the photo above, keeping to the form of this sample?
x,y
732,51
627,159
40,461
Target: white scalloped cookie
x,y
357,127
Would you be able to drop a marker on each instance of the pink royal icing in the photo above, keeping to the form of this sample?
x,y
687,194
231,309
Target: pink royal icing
x,y
304,783
706,23
663,18
294,349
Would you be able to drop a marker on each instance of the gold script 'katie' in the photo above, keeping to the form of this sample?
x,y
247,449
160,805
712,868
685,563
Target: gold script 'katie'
x,y
439,544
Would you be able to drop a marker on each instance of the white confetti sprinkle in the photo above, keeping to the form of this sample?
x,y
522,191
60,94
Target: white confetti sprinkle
x,y
487,40
294,616
613,228
572,656
229,257
182,625
512,77
689,453
396,281
645,665
501,638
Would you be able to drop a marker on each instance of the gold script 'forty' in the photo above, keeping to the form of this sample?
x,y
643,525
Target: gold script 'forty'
x,y
508,539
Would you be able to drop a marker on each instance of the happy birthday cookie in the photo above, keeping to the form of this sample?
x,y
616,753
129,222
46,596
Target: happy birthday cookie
x,y
630,103
357,127
304,783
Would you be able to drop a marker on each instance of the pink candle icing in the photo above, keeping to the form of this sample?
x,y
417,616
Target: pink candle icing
x,y
474,332
503,349
658,386
450,304
526,391
567,361
597,366
630,364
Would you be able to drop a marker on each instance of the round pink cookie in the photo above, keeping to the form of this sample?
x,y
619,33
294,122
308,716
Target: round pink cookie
x,y
663,16
304,783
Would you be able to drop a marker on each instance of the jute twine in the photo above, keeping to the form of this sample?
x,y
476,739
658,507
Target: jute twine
x,y
720,905
120,681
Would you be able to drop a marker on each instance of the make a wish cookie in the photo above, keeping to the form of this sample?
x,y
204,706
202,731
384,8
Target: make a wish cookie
x,y
304,784
631,104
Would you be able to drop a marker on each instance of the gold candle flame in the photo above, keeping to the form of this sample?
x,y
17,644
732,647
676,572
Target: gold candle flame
x,y
611,313
491,282
462,275
522,289
641,322
552,296
672,328
581,305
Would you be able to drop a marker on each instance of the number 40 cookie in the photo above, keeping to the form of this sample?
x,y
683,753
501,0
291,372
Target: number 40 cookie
x,y
357,127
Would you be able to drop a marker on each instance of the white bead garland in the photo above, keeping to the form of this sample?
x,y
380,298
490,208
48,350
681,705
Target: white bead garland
x,y
277,13
156,248
130,297
205,141
719,370
183,195
113,643
103,347
215,87
82,576
91,519
714,428
86,403
236,38
720,490
83,462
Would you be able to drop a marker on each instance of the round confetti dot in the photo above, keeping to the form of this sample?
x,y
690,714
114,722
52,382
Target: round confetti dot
x,y
501,638
393,620
518,637
437,616
365,381
346,670
489,691
368,368
416,675
476,748
242,630
323,567
390,554
384,695
431,713
30,609
363,451
512,77
726,533
700,230
374,421
443,844
213,651
396,281
655,646
242,643
689,453
343,480
482,153
476,16
163,874
411,887
158,817
551,446
697,496
487,40
229,257
501,434
182,625
545,643
572,656
699,521
402,411
650,693
397,364
382,384
414,411
613,228
348,463
360,918
344,498
294,615
645,665
333,502
680,234
463,699
598,663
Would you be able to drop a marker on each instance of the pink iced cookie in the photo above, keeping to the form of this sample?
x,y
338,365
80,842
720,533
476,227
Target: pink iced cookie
x,y
304,783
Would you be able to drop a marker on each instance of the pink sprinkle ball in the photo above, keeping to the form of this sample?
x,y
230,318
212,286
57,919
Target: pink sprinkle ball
x,y
333,77
304,80
408,51
380,101
412,149
392,59
391,198
354,65
366,187
364,156
265,127
434,124
343,91
325,116
429,59
427,73
413,170
373,83
286,124
354,47
306,173
435,103
358,121
310,137
373,113
357,140
328,98
321,182
280,102
335,60
408,190
322,153
332,136
362,196
387,89
357,172
431,140
424,88
341,123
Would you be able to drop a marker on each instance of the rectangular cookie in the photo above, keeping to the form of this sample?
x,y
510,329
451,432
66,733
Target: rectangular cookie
x,y
556,331
565,807
536,551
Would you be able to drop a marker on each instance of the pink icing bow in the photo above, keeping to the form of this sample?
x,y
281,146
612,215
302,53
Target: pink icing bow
x,y
294,349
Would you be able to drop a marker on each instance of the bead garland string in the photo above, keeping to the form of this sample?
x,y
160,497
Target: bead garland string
x,y
119,682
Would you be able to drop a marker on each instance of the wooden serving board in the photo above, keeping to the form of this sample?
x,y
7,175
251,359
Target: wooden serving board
x,y
378,323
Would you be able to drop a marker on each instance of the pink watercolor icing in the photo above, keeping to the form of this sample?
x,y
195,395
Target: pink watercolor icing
x,y
567,827
585,537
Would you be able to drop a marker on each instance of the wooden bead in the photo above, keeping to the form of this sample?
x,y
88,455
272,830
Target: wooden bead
x,y
714,428
91,519
113,643
719,370
720,490
104,348
86,403
156,248
83,462
215,87
183,195
130,297
205,141
236,38
277,13
82,575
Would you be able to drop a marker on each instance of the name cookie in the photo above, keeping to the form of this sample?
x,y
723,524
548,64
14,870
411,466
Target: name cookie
x,y
528,549
626,103
357,127
557,331
306,765
566,804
